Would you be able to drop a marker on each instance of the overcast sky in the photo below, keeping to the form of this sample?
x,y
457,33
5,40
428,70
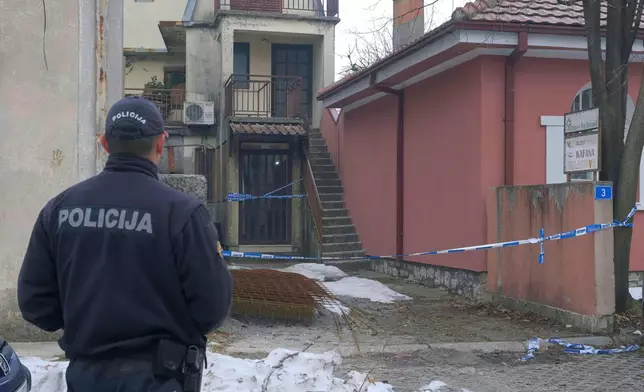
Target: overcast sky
x,y
367,15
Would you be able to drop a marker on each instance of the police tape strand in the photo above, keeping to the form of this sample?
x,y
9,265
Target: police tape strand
x,y
237,197
535,240
575,348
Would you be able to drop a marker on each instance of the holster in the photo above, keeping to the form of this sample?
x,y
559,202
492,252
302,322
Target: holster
x,y
175,360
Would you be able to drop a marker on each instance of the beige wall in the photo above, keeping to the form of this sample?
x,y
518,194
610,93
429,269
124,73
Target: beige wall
x,y
265,31
141,21
139,71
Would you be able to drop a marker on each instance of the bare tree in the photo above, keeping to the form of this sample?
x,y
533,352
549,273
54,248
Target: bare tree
x,y
609,78
372,45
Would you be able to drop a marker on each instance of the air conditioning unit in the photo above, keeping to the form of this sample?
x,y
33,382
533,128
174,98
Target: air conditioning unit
x,y
199,113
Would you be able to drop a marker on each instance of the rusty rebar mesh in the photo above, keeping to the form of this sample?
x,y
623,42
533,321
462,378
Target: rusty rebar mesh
x,y
278,295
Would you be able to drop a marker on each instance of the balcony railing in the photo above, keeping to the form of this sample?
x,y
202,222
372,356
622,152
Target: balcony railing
x,y
319,8
263,96
169,101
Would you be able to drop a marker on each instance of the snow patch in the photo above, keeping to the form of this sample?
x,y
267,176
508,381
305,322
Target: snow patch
x,y
636,292
365,288
434,386
292,371
320,272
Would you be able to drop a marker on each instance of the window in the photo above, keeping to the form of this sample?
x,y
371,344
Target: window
x,y
241,65
583,101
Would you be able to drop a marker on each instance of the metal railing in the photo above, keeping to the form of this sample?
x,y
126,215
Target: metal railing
x,y
169,101
320,8
263,96
312,195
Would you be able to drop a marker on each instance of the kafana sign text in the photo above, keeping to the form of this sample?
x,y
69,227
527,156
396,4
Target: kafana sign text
x,y
581,153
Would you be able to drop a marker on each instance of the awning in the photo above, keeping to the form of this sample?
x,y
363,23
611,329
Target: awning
x,y
268,129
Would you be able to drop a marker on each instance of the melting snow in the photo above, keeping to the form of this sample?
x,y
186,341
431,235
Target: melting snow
x,y
365,288
319,272
298,372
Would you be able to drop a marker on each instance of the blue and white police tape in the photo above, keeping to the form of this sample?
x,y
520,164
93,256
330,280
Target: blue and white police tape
x,y
232,197
575,348
508,244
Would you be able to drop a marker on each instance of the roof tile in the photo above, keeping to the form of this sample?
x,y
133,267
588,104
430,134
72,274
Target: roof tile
x,y
268,129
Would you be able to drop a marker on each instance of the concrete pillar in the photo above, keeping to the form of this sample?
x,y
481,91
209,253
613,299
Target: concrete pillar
x,y
49,117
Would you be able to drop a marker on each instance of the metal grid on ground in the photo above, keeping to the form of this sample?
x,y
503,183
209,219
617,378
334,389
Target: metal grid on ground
x,y
277,295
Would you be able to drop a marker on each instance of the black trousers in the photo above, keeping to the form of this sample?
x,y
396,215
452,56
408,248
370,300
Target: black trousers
x,y
117,375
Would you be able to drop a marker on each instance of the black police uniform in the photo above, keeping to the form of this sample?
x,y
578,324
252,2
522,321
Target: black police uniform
x,y
122,262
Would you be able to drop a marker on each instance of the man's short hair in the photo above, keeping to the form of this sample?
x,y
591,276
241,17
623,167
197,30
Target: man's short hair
x,y
142,147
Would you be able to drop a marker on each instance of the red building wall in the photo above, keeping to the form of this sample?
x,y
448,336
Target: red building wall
x,y
454,152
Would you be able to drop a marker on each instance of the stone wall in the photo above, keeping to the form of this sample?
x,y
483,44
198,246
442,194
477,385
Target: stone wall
x,y
455,280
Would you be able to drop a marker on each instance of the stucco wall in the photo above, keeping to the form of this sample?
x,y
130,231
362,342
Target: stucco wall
x,y
369,173
548,87
577,273
444,202
46,117
141,21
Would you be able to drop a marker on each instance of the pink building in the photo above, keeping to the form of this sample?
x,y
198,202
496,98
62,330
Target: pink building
x,y
476,103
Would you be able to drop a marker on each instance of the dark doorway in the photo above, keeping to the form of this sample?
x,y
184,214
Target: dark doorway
x,y
265,221
292,61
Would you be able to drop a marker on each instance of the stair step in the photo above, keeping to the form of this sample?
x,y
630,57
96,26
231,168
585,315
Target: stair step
x,y
325,176
322,190
321,162
314,141
322,168
322,182
332,205
330,197
359,252
318,148
335,212
339,221
339,238
313,155
342,247
338,229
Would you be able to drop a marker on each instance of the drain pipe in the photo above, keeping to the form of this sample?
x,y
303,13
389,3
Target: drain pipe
x,y
510,82
400,161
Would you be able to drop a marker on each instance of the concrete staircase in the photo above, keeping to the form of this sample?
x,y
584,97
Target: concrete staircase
x,y
339,236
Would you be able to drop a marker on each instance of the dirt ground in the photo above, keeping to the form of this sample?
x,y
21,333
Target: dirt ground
x,y
432,316
395,344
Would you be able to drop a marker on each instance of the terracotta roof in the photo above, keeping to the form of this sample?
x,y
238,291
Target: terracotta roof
x,y
268,129
543,12
532,12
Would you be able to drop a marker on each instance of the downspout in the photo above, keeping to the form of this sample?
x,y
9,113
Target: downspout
x,y
400,161
510,82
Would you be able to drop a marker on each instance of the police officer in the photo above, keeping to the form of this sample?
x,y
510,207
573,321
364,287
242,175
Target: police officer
x,y
128,268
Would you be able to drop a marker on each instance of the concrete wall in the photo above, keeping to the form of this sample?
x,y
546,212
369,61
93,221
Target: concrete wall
x,y
47,117
576,281
141,21
139,71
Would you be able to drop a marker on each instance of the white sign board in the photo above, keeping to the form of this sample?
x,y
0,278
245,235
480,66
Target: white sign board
x,y
581,153
581,121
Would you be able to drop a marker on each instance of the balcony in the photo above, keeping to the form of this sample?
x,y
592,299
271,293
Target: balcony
x,y
169,101
264,97
314,8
